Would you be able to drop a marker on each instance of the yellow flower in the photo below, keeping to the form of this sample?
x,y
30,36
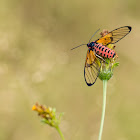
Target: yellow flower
x,y
48,114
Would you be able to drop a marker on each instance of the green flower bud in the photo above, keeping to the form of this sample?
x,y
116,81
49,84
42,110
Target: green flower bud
x,y
106,71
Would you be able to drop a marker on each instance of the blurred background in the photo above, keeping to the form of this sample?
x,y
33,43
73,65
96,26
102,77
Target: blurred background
x,y
37,65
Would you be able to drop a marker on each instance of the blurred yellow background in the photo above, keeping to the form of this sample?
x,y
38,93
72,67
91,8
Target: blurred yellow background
x,y
37,65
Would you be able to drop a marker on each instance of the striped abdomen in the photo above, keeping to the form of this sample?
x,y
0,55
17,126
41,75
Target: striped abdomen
x,y
104,51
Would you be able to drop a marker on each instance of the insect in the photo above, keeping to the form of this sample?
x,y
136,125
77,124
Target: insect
x,y
97,51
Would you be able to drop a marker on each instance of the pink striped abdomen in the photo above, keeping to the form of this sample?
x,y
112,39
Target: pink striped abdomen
x,y
104,51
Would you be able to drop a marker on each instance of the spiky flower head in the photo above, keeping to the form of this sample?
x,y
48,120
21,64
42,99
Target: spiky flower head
x,y
106,71
48,115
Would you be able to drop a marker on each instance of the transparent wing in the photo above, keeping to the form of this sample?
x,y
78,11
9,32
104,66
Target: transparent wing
x,y
92,68
114,36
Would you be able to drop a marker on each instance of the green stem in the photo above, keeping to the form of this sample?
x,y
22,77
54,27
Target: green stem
x,y
60,133
103,108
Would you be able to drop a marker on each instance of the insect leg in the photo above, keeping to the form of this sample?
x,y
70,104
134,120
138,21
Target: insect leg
x,y
100,57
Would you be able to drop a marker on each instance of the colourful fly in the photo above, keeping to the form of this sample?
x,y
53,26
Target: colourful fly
x,y
97,51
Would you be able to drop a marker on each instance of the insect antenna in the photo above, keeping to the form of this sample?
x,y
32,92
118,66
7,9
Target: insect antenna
x,y
94,34
89,40
78,46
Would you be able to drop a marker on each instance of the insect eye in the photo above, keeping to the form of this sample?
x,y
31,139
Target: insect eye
x,y
92,43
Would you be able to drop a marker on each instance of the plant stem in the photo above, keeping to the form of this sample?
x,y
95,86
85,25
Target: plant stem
x,y
103,108
60,133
